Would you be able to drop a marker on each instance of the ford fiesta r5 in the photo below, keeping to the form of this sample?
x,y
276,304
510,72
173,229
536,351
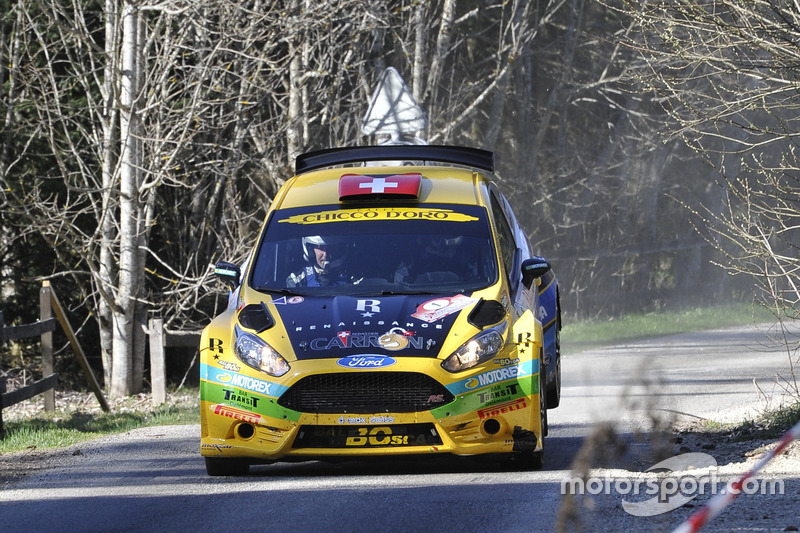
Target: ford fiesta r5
x,y
390,307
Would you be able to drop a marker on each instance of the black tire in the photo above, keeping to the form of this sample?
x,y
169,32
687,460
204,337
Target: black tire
x,y
543,395
554,388
525,461
526,457
536,460
226,467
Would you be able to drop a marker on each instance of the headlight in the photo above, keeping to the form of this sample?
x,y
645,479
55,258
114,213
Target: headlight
x,y
258,354
478,349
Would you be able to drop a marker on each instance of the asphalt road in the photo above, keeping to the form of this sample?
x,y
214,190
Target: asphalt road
x,y
154,479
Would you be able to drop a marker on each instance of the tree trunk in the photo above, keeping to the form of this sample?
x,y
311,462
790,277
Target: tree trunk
x,y
122,372
145,206
293,130
419,51
443,39
106,266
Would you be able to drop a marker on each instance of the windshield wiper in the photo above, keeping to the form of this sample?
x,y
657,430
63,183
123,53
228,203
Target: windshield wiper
x,y
407,292
282,292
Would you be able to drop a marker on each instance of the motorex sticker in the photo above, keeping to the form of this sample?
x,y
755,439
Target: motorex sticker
x,y
497,375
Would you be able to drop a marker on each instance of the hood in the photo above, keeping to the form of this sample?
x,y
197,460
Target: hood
x,y
395,325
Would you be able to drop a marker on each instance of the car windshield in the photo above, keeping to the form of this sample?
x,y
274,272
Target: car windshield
x,y
375,250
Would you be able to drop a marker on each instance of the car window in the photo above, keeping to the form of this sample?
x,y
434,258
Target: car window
x,y
361,250
505,238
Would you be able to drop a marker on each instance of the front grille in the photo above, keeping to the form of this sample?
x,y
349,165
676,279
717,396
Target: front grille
x,y
366,392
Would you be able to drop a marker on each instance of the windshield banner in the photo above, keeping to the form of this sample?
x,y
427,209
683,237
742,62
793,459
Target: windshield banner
x,y
401,213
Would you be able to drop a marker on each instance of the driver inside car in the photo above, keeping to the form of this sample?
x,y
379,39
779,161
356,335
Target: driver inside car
x,y
323,264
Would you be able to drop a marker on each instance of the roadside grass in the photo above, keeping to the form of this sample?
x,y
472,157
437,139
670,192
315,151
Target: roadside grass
x,y
67,425
587,334
775,423
769,425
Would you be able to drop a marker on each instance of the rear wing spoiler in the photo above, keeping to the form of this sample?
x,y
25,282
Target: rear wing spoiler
x,y
459,155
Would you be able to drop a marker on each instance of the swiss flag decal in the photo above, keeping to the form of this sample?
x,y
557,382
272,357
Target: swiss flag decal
x,y
396,185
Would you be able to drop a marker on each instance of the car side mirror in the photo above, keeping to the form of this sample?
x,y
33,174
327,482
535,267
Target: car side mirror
x,y
229,273
533,268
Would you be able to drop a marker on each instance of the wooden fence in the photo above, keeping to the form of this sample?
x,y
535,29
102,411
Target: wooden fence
x,y
48,305
161,338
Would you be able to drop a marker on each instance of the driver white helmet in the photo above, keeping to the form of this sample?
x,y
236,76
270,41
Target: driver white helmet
x,y
317,240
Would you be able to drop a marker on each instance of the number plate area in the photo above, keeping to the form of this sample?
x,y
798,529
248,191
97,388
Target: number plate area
x,y
391,436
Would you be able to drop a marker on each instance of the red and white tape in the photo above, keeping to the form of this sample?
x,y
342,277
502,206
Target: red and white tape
x,y
715,505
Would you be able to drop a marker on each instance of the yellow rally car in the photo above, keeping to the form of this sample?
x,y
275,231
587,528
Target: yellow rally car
x,y
390,307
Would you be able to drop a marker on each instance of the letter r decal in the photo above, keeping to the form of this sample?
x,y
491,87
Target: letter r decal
x,y
371,306
215,345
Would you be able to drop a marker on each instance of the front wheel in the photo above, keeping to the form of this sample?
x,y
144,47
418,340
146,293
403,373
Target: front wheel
x,y
535,460
554,388
528,461
226,467
526,456
543,397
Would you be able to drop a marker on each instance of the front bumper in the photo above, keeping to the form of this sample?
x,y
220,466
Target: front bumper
x,y
489,409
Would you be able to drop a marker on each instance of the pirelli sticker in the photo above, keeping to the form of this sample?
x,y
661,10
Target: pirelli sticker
x,y
390,213
238,414
502,409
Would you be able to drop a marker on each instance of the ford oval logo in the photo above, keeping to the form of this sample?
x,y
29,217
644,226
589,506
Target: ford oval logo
x,y
366,361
